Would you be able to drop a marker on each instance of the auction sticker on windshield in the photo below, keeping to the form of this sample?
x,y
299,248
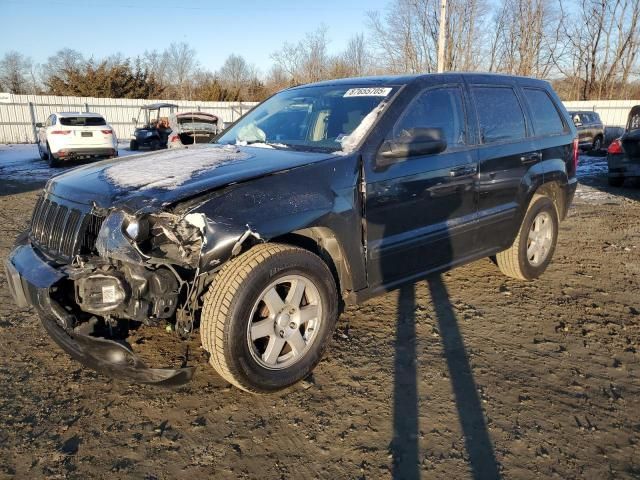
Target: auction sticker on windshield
x,y
368,92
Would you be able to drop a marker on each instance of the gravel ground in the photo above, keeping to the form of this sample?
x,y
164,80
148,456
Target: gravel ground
x,y
466,375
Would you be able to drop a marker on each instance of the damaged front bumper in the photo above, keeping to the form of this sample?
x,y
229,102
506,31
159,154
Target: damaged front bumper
x,y
30,280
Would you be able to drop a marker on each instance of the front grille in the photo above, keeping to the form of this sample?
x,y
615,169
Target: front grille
x,y
62,231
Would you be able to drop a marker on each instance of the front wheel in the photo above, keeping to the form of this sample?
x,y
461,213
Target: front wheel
x,y
133,145
268,317
532,250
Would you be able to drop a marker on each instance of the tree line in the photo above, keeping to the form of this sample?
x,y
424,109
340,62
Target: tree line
x,y
587,48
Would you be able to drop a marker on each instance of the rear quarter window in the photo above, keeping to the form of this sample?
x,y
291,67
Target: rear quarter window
x,y
544,115
82,121
499,114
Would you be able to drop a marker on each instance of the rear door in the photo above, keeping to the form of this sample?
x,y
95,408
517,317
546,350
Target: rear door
x,y
421,211
505,154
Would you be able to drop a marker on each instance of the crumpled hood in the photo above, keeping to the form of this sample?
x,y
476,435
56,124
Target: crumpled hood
x,y
151,180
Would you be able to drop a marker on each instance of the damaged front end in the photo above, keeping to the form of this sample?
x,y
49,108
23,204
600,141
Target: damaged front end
x,y
141,270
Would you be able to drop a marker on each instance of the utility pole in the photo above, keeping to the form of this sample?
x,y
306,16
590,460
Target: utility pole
x,y
442,35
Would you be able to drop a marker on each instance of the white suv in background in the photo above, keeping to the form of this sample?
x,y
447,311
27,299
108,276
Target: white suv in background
x,y
72,135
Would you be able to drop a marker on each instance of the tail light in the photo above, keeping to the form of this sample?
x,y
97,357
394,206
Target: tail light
x,y
62,153
107,132
575,154
615,147
60,132
174,138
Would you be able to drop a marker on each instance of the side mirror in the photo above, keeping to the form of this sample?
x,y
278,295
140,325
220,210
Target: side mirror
x,y
39,125
417,142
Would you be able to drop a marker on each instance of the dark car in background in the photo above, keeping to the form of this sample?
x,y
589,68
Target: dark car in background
x,y
590,128
323,195
623,155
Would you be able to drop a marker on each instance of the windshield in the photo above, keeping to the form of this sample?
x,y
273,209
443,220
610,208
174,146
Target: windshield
x,y
312,118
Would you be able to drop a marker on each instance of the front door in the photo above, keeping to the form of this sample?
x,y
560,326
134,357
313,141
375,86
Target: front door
x,y
421,211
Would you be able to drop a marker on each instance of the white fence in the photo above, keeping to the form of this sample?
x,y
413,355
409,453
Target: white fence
x,y
20,113
612,112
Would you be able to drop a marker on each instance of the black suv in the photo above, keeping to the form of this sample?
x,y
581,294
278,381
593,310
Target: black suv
x,y
623,155
590,130
324,194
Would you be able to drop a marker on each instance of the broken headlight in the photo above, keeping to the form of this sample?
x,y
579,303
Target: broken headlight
x,y
137,229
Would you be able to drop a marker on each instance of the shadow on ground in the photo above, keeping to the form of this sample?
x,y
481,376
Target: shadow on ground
x,y
405,444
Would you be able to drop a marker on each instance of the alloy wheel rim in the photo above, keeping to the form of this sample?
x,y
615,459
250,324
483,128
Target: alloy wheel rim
x,y
540,239
284,322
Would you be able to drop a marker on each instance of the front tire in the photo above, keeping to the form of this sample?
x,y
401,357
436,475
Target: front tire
x,y
532,250
133,145
269,316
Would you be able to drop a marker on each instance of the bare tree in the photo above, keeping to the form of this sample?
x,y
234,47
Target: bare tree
x,y
181,64
405,38
16,74
356,56
307,60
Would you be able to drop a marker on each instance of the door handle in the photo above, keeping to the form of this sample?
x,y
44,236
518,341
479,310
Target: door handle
x,y
531,157
462,171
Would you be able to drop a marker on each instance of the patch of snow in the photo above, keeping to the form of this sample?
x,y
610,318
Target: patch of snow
x,y
351,141
591,195
261,145
21,163
590,165
170,169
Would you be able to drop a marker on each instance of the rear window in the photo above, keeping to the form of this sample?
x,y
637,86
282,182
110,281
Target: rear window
x,y
545,116
82,121
499,114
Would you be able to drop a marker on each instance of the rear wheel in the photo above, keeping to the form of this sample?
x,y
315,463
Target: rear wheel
x,y
616,181
154,144
43,155
597,144
269,316
53,161
532,250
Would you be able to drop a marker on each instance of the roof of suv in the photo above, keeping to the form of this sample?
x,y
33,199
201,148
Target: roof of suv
x,y
77,114
384,80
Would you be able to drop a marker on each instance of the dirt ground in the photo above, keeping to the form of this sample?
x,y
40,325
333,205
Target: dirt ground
x,y
466,375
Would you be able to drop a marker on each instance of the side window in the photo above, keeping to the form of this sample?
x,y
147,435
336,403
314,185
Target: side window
x,y
499,114
545,117
436,108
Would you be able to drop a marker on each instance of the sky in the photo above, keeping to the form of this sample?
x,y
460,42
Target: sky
x,y
251,28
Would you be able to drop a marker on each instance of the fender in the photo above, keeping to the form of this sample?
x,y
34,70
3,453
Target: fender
x,y
317,201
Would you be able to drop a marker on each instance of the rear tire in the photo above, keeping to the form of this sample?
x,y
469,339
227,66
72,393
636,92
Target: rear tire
x,y
249,330
154,144
53,161
597,144
532,250
43,155
616,181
